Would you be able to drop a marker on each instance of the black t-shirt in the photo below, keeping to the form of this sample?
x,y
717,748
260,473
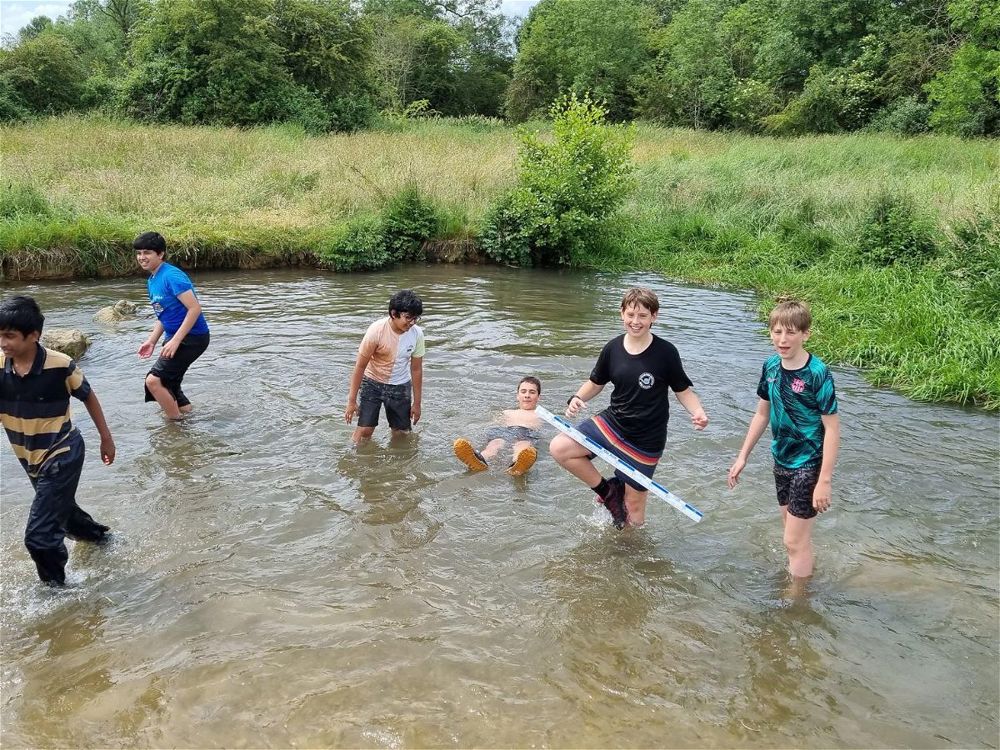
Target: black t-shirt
x,y
640,405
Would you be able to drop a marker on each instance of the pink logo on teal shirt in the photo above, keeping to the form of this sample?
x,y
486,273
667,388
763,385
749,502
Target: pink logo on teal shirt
x,y
798,385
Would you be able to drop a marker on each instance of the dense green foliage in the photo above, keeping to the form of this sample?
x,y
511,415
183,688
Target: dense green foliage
x,y
567,189
783,67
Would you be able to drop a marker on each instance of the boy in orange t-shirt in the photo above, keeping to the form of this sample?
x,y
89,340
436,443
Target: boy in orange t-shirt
x,y
389,370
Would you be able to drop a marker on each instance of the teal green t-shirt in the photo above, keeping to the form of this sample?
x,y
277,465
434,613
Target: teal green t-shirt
x,y
799,399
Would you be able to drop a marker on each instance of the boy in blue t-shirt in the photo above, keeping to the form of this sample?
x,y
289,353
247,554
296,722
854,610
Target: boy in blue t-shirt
x,y
178,314
797,397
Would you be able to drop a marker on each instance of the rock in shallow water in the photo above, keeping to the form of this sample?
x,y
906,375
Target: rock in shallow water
x,y
69,341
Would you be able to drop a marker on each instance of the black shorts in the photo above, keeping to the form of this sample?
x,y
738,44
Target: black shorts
x,y
397,399
171,371
795,489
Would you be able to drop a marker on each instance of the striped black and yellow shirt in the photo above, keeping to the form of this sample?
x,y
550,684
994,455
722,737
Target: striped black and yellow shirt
x,y
34,409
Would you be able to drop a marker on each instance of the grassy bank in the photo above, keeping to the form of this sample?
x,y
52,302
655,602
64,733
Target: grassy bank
x,y
782,216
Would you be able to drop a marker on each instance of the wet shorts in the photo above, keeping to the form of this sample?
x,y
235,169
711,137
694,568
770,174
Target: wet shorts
x,y
795,489
598,430
171,371
397,399
513,434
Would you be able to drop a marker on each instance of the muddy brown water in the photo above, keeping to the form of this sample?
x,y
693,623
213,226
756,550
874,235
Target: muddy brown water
x,y
270,586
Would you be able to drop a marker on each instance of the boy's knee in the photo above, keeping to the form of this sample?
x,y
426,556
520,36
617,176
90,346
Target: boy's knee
x,y
153,381
557,448
796,543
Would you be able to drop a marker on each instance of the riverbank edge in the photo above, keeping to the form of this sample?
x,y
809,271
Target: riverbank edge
x,y
116,260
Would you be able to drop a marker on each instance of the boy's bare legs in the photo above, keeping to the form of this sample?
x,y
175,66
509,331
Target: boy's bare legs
x,y
492,448
575,459
798,542
186,409
635,503
361,434
163,397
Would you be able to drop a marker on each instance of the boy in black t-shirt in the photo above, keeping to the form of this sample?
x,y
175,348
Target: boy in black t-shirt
x,y
644,369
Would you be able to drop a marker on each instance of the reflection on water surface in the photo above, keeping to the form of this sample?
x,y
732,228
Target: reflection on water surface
x,y
270,586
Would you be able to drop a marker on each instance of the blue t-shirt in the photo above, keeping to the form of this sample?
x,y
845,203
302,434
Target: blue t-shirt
x,y
164,286
799,399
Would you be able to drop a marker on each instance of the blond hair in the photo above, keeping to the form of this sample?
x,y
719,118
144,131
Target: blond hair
x,y
640,295
792,314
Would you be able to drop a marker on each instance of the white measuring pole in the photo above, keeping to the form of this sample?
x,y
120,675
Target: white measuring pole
x,y
564,425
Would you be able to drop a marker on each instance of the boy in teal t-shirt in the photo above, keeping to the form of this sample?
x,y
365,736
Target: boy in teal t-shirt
x,y
798,400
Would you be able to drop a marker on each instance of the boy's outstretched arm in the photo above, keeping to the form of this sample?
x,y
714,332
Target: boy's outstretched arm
x,y
690,401
831,446
97,414
352,394
757,426
417,377
583,394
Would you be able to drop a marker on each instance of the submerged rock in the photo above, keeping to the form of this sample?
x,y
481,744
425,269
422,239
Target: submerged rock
x,y
69,341
117,312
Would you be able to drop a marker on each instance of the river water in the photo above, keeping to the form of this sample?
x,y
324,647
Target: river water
x,y
270,586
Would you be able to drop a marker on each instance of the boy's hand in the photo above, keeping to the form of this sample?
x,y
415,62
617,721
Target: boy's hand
x,y
350,411
734,471
107,451
575,405
146,350
699,419
169,349
821,495
415,413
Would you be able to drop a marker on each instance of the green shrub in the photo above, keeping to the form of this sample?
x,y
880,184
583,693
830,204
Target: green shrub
x,y
895,233
12,106
46,73
408,220
907,115
566,191
505,236
396,234
359,247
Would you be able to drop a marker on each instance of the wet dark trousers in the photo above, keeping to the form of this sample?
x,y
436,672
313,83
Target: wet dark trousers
x,y
54,514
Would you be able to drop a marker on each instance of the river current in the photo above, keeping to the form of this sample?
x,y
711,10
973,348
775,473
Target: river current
x,y
268,585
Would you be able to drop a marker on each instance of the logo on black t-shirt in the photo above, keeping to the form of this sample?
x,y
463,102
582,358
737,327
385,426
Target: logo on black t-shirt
x,y
646,381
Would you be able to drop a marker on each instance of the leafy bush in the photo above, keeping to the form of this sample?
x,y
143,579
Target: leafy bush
x,y
408,221
506,235
46,73
831,101
965,96
12,106
907,115
395,235
360,247
567,188
895,233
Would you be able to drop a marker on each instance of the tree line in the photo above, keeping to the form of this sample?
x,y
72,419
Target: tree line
x,y
780,67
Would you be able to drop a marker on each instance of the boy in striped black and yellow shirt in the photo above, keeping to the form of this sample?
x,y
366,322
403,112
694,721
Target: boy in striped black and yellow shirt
x,y
35,386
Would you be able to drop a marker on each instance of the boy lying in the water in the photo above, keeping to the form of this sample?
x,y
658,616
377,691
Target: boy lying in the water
x,y
518,426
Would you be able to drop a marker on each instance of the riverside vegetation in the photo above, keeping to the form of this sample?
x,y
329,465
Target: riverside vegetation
x,y
894,241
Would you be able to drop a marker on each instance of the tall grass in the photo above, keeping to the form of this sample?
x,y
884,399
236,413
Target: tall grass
x,y
782,216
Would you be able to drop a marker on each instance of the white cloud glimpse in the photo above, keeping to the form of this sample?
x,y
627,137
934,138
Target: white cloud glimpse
x,y
16,14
